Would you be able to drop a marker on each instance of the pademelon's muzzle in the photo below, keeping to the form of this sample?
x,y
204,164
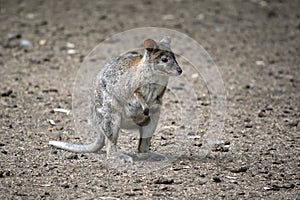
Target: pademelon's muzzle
x,y
179,70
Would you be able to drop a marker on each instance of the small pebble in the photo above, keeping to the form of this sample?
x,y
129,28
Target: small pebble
x,y
260,63
269,108
218,29
288,186
25,43
34,60
266,188
4,152
43,23
51,122
278,162
263,3
70,45
293,123
54,152
5,174
200,17
65,185
42,42
62,110
241,193
6,93
168,17
272,14
163,138
10,36
216,179
73,157
194,76
164,181
248,126
71,51
205,103
248,86
50,90
262,113
239,169
102,17
163,188
247,120
225,148
30,16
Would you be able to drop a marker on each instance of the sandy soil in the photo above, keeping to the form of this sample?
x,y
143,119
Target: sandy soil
x,y
256,46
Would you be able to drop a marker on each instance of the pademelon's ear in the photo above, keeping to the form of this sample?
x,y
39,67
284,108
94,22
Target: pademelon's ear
x,y
166,41
150,45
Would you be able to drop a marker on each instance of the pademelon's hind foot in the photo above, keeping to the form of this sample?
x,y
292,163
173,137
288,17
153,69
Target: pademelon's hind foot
x,y
120,157
151,156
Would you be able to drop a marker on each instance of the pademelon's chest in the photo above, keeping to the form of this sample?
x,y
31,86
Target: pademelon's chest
x,y
153,88
152,93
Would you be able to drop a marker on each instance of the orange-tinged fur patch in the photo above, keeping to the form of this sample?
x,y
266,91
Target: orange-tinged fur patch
x,y
136,62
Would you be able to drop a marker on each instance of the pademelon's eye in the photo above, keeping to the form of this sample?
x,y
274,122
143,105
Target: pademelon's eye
x,y
164,60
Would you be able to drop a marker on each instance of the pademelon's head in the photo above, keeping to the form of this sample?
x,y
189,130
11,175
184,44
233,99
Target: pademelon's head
x,y
160,57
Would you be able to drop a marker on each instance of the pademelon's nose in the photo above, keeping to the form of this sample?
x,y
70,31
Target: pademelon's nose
x,y
179,70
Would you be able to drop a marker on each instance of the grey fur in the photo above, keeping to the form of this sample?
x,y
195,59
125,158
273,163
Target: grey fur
x,y
127,94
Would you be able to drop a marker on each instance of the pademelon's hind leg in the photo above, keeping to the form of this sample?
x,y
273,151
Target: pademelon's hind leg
x,y
146,133
110,126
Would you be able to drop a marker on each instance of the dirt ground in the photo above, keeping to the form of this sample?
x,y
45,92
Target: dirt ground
x,y
255,43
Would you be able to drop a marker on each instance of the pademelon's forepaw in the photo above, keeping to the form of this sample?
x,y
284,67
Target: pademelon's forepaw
x,y
146,111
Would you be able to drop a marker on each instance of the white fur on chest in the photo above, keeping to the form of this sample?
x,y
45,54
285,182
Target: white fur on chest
x,y
152,85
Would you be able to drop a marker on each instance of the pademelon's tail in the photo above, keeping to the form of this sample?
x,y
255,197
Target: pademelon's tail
x,y
81,148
